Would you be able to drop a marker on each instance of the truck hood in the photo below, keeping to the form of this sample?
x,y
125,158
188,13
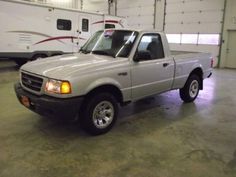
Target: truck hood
x,y
62,67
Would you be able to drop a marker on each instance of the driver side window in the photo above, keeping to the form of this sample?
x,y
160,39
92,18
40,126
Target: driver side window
x,y
150,47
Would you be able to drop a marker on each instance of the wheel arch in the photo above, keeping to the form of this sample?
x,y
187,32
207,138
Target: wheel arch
x,y
111,88
199,72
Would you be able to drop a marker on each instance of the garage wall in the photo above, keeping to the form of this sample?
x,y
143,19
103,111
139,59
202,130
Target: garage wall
x,y
195,25
139,13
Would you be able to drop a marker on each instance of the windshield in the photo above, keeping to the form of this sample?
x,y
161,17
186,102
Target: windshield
x,y
116,43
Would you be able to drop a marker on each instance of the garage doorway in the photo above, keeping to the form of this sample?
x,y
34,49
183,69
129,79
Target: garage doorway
x,y
231,52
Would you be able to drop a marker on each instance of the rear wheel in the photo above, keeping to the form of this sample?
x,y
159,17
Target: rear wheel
x,y
191,89
99,113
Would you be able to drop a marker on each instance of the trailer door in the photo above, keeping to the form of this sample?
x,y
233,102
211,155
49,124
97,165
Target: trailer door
x,y
84,29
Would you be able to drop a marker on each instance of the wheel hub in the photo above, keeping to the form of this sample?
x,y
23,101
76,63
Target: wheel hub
x,y
194,88
103,114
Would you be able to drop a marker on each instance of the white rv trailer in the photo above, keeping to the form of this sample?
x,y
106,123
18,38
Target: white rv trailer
x,y
29,31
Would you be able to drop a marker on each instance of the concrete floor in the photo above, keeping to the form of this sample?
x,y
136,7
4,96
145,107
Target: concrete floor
x,y
155,137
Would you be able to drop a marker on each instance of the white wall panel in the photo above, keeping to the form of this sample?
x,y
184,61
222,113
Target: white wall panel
x,y
59,3
195,17
194,14
211,28
139,13
134,3
86,5
137,19
95,6
146,10
194,5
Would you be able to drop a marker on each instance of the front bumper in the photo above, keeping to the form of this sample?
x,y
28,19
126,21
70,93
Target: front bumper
x,y
50,106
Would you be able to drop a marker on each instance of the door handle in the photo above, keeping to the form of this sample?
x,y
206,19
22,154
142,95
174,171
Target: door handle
x,y
165,64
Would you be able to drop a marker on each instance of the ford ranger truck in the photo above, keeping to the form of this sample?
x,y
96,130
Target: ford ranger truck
x,y
113,68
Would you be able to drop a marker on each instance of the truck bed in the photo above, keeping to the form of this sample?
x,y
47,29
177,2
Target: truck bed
x,y
176,52
183,55
186,62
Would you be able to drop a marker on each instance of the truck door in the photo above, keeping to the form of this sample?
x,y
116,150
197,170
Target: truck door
x,y
152,72
84,32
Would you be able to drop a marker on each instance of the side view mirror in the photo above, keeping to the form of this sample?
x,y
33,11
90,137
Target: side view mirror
x,y
142,55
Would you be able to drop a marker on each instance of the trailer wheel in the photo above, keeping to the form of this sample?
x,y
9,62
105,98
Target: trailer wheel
x,y
191,89
57,54
38,56
99,113
20,61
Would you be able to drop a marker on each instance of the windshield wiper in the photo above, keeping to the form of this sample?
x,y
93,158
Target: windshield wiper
x,y
102,52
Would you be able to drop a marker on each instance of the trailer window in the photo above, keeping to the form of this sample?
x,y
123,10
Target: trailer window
x,y
63,24
85,25
109,26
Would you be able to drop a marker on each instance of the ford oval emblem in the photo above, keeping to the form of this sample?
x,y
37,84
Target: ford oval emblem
x,y
29,81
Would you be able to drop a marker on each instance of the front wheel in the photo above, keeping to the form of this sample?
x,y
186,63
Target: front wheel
x,y
99,113
191,89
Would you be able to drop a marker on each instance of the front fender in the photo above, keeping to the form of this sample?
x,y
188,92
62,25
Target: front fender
x,y
101,82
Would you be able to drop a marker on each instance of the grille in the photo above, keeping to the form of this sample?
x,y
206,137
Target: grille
x,y
31,82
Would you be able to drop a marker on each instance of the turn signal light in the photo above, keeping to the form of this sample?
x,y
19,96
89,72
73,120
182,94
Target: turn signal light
x,y
65,88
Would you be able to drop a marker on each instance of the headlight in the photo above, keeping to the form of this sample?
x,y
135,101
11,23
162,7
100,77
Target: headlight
x,y
61,87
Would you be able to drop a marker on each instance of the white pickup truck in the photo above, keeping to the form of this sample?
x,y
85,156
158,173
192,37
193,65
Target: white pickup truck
x,y
114,67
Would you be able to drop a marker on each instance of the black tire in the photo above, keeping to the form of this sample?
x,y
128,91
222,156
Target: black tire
x,y
191,89
90,120
20,61
56,54
38,56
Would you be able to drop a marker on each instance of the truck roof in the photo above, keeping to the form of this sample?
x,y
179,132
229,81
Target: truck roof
x,y
138,30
